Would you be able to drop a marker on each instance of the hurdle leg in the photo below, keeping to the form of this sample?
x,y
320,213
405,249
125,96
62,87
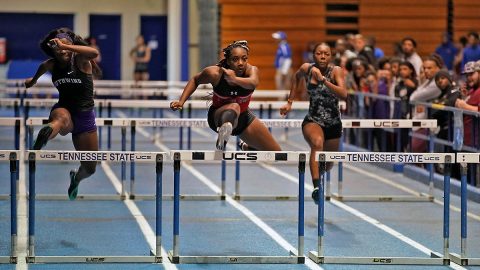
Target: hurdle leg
x,y
237,179
301,204
339,194
30,137
446,215
462,258
158,209
132,164
124,165
174,255
431,145
224,176
317,256
327,186
31,208
13,208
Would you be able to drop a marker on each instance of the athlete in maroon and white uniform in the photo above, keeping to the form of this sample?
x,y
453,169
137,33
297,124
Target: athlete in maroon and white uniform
x,y
233,80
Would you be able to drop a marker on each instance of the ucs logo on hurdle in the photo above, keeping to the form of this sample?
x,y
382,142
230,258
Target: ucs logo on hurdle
x,y
386,124
240,156
382,260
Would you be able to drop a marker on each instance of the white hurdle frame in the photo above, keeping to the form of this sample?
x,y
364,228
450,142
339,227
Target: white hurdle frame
x,y
462,259
13,157
430,124
372,157
108,156
295,257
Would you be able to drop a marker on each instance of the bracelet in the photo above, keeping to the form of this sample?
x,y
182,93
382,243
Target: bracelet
x,y
290,100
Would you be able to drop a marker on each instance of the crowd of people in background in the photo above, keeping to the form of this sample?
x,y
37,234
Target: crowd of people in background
x,y
448,76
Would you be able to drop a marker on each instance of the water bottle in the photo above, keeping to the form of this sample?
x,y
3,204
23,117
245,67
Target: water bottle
x,y
457,130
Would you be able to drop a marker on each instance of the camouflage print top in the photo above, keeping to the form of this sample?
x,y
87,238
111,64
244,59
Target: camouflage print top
x,y
323,108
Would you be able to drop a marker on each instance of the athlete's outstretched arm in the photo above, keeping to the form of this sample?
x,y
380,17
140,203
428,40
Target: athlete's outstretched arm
x,y
207,75
295,88
42,69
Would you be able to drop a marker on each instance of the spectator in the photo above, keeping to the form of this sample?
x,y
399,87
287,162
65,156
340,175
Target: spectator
x,y
471,101
397,50
407,83
341,50
308,53
472,51
377,52
449,96
283,62
350,39
384,79
426,92
140,55
457,62
394,68
447,51
409,50
363,51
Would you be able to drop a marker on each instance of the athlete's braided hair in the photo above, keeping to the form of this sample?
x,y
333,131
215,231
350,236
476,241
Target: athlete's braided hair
x,y
227,51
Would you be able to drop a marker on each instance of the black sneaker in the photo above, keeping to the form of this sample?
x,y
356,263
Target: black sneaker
x,y
224,133
42,137
73,188
315,195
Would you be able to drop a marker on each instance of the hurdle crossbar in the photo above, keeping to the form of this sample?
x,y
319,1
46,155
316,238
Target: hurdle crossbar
x,y
373,157
428,196
12,157
463,259
295,256
96,156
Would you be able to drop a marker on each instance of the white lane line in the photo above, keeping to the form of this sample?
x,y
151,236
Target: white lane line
x,y
139,217
249,214
22,227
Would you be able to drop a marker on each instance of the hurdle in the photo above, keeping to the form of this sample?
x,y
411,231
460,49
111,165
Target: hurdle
x,y
12,157
103,156
390,124
109,122
295,257
374,157
17,123
462,259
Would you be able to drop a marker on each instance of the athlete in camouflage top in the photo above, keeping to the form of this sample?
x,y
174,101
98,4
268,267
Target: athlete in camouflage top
x,y
322,127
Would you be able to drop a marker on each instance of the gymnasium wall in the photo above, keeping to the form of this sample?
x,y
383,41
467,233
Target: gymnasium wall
x,y
129,10
305,20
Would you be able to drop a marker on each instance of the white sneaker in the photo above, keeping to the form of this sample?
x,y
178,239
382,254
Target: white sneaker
x,y
224,133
